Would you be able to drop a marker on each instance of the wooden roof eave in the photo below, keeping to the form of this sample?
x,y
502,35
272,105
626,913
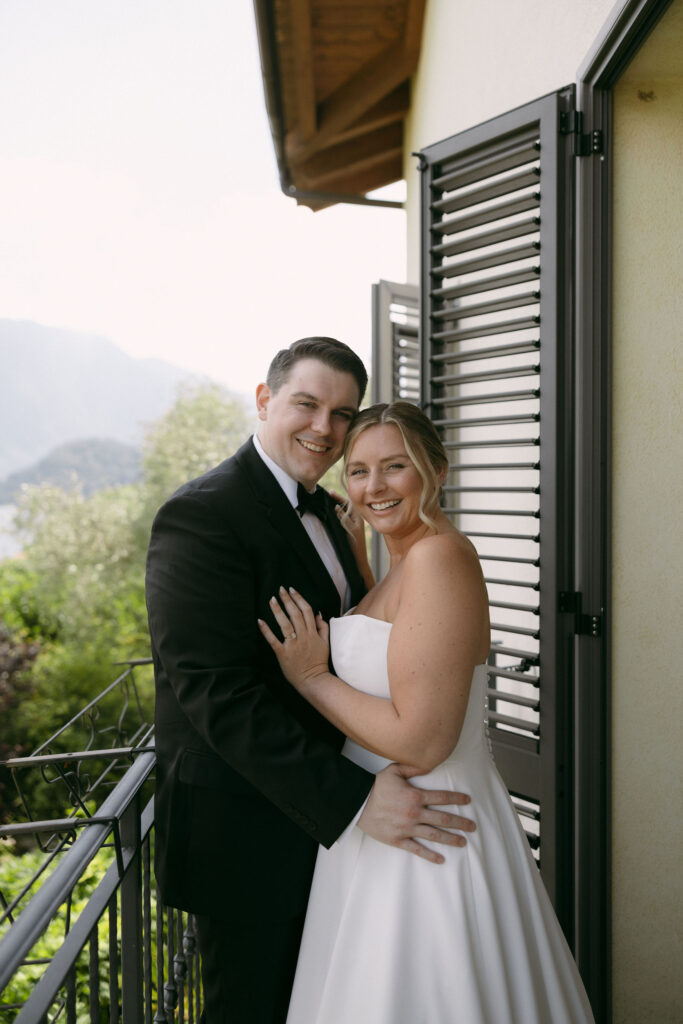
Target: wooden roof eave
x,y
352,142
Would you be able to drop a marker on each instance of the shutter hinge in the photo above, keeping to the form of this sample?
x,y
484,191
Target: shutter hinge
x,y
585,143
584,625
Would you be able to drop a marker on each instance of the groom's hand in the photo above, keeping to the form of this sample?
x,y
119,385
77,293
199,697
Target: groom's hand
x,y
400,814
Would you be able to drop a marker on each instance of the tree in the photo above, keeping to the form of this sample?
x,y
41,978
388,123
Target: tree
x,y
78,590
204,427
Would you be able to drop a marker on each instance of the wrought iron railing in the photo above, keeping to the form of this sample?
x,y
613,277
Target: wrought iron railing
x,y
85,936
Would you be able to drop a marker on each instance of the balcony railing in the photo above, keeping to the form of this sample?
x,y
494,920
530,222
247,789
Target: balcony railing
x,y
85,937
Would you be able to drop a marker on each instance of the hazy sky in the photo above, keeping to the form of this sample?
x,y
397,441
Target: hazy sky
x,y
140,197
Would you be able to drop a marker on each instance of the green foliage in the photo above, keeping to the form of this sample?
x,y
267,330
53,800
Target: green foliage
x,y
82,558
18,606
77,593
15,872
204,427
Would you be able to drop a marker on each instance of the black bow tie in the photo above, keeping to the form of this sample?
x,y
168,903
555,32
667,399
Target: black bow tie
x,y
316,502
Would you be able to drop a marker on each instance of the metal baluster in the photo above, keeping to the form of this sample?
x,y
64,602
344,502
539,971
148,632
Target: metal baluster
x,y
189,949
147,929
160,1015
131,918
180,968
199,992
94,976
71,996
113,961
170,990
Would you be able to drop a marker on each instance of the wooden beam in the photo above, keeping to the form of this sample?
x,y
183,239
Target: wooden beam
x,y
358,182
302,37
353,99
349,157
390,110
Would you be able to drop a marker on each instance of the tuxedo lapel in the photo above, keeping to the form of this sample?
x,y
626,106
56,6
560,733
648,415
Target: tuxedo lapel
x,y
342,545
285,519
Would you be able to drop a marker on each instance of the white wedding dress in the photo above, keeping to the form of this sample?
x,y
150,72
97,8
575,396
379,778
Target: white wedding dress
x,y
391,938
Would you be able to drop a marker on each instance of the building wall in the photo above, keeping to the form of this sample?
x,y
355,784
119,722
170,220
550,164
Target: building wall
x,y
647,537
479,60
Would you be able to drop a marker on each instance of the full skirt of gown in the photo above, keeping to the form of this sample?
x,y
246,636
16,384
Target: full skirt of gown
x,y
391,938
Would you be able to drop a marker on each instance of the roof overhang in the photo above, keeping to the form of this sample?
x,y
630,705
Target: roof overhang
x,y
336,77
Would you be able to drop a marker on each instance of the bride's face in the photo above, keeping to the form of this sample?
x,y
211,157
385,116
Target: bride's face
x,y
383,483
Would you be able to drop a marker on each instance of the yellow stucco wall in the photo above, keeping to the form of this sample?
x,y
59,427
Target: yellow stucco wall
x,y
483,58
647,536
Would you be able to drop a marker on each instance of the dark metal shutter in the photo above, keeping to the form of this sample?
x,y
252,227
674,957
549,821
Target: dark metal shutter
x,y
395,349
497,204
395,365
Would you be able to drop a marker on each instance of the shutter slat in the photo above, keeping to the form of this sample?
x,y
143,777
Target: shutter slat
x,y
531,370
524,513
517,348
504,327
497,211
514,698
528,584
517,723
508,558
491,421
513,254
452,313
516,652
499,396
497,160
521,228
500,465
487,284
533,609
517,630
535,537
512,183
502,442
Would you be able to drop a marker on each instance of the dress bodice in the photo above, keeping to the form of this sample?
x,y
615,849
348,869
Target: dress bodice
x,y
359,645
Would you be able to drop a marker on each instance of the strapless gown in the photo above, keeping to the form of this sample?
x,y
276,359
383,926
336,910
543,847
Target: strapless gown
x,y
393,939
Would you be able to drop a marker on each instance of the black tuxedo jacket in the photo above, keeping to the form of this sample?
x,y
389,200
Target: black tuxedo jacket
x,y
249,776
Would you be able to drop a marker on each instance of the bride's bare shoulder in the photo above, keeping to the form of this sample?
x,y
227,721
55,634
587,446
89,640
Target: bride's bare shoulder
x,y
446,550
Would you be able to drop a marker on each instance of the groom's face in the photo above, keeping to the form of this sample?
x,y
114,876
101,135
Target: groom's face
x,y
304,423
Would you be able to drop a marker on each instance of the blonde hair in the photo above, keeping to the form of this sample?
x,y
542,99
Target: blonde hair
x,y
423,445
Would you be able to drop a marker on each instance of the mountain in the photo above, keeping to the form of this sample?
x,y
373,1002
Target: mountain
x,y
97,463
59,385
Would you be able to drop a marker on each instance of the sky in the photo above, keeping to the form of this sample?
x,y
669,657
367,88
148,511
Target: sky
x,y
140,196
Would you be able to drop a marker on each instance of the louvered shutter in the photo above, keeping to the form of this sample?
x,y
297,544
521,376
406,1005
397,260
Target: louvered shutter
x,y
496,332
395,365
395,348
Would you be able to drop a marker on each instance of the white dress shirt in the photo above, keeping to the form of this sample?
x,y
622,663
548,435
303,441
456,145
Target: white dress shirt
x,y
313,527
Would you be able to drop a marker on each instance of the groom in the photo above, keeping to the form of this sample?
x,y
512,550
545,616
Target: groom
x,y
249,777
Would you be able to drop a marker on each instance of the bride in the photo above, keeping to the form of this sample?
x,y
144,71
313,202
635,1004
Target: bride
x,y
391,939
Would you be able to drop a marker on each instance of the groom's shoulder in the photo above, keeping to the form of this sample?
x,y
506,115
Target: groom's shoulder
x,y
220,486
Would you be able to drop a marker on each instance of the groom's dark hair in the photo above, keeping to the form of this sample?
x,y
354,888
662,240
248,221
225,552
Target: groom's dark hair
x,y
329,351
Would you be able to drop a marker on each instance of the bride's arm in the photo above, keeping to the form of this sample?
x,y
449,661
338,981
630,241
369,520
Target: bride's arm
x,y
439,634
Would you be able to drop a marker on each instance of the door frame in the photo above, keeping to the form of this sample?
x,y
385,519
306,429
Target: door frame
x,y
627,27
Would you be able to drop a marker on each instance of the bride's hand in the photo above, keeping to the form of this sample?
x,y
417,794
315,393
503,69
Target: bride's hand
x,y
304,652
